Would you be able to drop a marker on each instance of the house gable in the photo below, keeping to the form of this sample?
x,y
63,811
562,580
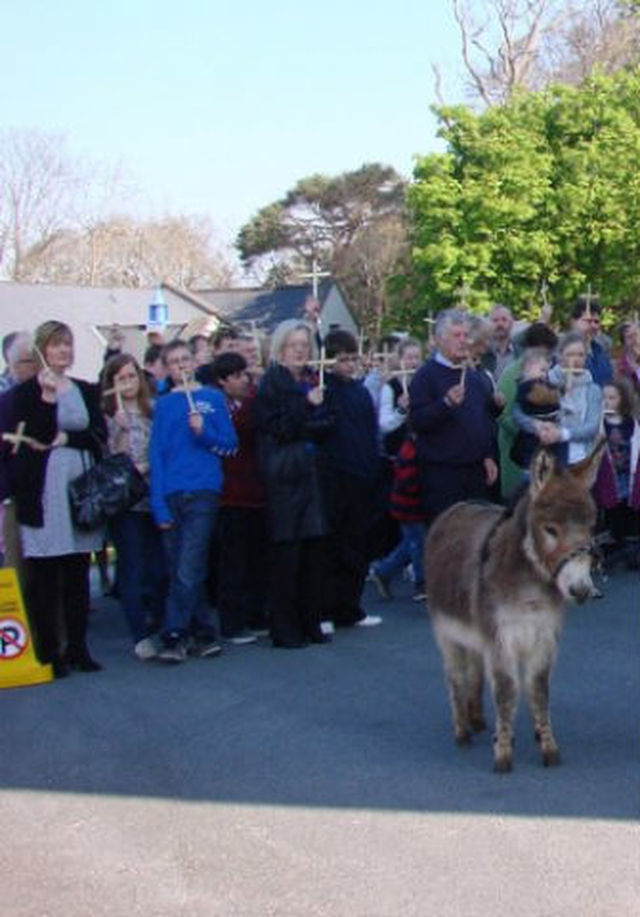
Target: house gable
x,y
267,308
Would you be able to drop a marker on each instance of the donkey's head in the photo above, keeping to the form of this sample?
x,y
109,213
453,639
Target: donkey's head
x,y
561,516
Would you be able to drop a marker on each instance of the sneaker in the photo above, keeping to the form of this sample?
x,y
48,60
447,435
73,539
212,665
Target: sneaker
x,y
327,627
173,652
145,649
382,585
206,648
241,639
369,621
419,594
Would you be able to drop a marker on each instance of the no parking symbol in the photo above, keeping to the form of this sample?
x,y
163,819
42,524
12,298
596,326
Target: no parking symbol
x,y
14,639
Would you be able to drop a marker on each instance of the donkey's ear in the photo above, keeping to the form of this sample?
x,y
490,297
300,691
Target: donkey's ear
x,y
543,468
586,471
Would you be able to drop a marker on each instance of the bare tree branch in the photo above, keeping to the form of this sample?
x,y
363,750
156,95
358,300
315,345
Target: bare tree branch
x,y
525,44
476,77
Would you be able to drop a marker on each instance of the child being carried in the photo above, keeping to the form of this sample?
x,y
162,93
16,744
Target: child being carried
x,y
536,409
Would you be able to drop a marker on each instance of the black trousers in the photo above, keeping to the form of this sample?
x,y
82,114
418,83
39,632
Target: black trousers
x,y
242,568
383,532
622,522
443,485
53,583
349,501
295,580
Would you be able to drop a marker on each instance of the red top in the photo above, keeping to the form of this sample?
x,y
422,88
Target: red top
x,y
242,484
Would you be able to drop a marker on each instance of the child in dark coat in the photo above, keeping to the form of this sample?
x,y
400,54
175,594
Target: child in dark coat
x,y
241,529
617,489
406,508
537,402
349,460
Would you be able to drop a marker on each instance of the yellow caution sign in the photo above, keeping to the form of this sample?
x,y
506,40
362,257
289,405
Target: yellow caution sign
x,y
18,662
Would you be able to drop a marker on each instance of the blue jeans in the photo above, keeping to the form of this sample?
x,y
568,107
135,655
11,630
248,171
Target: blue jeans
x,y
409,550
187,544
141,577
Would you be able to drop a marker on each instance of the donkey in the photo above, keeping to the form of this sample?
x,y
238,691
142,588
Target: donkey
x,y
497,584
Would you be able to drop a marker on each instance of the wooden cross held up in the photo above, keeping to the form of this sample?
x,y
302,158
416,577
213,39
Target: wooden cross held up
x,y
544,289
117,391
571,371
314,275
588,297
19,437
462,292
186,387
430,321
40,356
253,327
403,373
322,363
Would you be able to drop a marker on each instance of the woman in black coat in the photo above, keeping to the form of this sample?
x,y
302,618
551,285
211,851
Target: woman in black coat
x,y
291,420
62,418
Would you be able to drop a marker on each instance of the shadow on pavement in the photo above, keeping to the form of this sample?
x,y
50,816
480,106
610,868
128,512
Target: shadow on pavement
x,y
363,723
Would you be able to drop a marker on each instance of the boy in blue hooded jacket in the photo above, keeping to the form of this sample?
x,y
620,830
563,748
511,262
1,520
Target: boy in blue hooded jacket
x,y
191,433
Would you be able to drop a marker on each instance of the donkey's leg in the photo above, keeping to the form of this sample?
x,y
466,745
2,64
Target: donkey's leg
x,y
454,658
475,681
536,681
505,687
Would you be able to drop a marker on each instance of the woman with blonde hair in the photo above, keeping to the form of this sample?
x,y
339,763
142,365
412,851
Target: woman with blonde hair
x,y
61,416
291,421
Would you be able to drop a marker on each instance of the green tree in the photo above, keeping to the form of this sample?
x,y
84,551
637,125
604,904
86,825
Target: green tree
x,y
542,189
351,224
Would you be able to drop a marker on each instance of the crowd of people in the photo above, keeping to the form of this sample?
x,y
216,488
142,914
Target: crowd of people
x,y
282,473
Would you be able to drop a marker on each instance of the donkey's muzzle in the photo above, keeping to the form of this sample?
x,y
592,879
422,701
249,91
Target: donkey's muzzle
x,y
582,592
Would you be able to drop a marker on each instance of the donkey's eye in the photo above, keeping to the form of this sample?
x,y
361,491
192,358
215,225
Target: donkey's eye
x,y
550,530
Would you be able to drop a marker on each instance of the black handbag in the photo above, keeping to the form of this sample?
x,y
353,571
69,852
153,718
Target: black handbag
x,y
107,488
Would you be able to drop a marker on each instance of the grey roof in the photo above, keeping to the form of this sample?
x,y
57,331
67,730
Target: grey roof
x,y
267,308
89,311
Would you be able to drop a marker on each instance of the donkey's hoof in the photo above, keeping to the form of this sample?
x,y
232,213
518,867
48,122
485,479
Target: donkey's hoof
x,y
502,766
463,739
551,758
478,724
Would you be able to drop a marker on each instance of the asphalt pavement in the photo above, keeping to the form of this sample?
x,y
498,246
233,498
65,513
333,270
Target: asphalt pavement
x,y
322,781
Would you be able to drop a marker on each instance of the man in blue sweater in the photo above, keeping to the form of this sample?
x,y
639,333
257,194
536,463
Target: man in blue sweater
x,y
585,318
191,433
451,412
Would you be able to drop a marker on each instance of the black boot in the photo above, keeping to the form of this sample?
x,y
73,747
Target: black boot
x,y
81,660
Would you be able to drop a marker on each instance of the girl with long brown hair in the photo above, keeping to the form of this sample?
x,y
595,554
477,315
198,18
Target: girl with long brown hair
x,y
141,576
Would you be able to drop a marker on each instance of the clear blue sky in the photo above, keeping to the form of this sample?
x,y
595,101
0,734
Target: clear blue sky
x,y
219,107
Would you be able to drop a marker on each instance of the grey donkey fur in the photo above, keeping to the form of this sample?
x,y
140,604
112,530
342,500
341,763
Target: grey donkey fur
x,y
497,585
